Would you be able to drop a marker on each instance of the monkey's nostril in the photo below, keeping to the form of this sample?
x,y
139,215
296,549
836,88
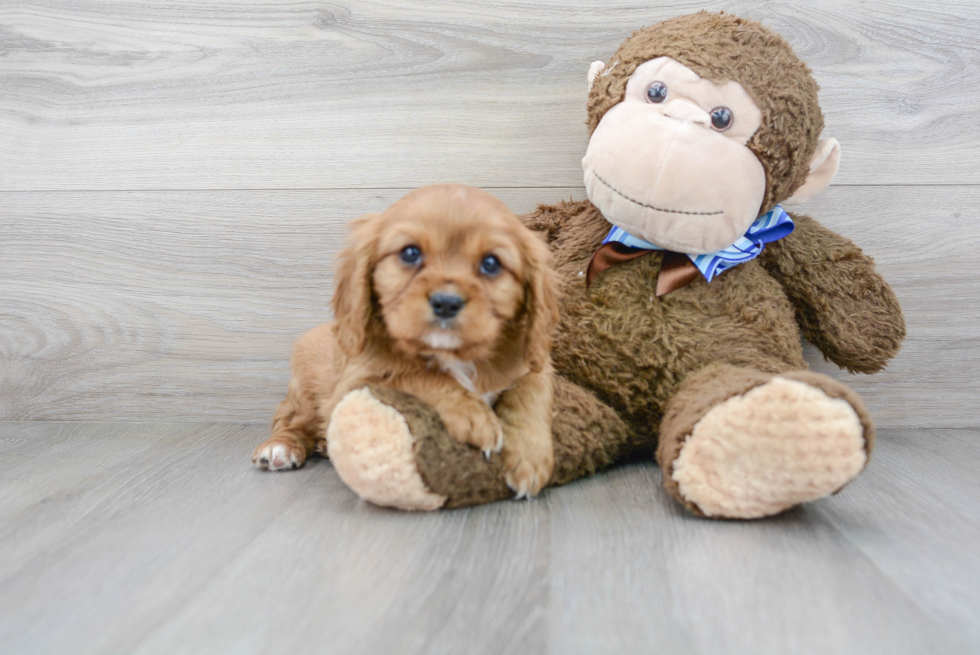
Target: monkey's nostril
x,y
446,305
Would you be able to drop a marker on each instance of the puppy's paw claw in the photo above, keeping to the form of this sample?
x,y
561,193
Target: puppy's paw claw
x,y
275,455
481,429
521,490
525,479
522,495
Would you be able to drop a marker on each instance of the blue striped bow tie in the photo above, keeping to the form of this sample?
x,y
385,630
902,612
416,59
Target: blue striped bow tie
x,y
769,227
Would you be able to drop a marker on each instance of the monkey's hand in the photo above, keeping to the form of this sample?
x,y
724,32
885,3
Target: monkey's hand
x,y
843,306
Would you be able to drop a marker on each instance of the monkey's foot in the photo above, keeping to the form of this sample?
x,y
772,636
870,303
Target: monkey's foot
x,y
392,449
372,449
777,445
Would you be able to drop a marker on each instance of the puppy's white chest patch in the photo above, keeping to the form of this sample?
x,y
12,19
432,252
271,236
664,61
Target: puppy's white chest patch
x,y
465,374
490,397
462,372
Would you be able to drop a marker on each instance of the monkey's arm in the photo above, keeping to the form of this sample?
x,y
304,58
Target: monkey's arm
x,y
550,219
843,306
570,226
545,219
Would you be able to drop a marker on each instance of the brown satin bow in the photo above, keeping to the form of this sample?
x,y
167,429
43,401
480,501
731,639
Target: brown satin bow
x,y
676,270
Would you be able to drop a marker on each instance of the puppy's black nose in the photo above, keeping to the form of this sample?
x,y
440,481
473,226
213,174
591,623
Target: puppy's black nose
x,y
446,305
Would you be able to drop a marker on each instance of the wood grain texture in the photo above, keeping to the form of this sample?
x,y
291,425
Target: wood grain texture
x,y
790,584
903,518
160,538
184,305
205,95
164,304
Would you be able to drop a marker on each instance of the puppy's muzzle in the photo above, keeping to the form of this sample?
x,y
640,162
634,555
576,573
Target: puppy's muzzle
x,y
446,305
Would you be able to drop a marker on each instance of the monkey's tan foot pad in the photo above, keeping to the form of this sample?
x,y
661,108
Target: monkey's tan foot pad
x,y
373,450
392,450
780,444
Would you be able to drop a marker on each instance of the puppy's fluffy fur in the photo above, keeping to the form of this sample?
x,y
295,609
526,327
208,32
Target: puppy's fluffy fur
x,y
486,369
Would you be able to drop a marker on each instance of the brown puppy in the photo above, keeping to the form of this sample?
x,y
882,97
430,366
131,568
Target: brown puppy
x,y
448,297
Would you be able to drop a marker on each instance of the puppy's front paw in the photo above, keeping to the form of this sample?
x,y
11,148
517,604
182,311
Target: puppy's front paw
x,y
278,453
475,424
528,467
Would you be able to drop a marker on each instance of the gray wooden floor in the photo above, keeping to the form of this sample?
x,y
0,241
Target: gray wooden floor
x,y
175,177
158,538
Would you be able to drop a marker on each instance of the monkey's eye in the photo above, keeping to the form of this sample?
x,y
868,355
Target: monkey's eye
x,y
490,265
411,255
721,118
657,92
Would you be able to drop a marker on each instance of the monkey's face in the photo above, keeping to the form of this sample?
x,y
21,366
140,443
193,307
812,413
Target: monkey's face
x,y
670,164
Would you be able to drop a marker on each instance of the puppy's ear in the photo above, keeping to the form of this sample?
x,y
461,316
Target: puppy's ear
x,y
541,300
352,307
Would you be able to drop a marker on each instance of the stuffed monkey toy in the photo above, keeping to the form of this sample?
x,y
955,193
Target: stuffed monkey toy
x,y
685,289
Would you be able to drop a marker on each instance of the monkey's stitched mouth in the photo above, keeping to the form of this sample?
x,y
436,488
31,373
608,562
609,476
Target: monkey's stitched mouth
x,y
643,204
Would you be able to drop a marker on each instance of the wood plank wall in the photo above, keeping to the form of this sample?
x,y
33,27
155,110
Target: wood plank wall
x,y
175,176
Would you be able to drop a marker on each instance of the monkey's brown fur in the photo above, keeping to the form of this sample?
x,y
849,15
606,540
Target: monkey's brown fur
x,y
637,370
631,352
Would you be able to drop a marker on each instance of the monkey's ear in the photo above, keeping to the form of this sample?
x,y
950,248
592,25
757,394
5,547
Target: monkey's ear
x,y
823,168
594,71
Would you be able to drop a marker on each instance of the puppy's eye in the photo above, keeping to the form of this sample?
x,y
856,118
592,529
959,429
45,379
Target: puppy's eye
x,y
490,265
411,255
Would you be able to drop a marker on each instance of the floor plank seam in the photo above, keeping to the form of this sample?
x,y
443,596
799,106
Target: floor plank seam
x,y
907,185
